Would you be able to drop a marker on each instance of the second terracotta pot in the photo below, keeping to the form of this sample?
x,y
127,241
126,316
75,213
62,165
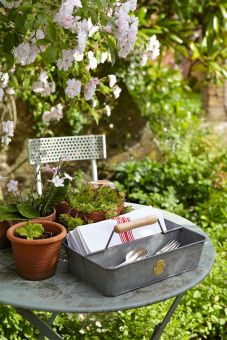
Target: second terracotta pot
x,y
37,259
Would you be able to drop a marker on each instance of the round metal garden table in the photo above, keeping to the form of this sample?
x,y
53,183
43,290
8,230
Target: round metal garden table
x,y
65,293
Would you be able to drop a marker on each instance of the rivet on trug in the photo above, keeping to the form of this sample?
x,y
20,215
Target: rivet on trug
x,y
159,267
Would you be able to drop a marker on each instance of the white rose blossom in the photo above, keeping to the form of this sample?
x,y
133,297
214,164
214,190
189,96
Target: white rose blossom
x,y
55,114
78,56
108,111
112,80
104,56
117,91
4,78
25,53
66,61
42,86
64,17
126,27
152,50
92,61
90,88
73,88
12,4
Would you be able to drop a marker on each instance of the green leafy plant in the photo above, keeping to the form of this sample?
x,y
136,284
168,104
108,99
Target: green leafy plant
x,y
27,205
70,222
88,199
30,230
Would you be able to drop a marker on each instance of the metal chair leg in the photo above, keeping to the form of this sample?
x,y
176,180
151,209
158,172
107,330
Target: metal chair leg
x,y
44,328
159,328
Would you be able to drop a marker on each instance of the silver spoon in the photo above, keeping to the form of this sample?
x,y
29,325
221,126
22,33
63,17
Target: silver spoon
x,y
134,255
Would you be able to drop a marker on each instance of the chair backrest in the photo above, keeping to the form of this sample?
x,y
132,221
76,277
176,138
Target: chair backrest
x,y
73,148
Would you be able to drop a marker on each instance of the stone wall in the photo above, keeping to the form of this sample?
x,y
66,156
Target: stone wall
x,y
215,102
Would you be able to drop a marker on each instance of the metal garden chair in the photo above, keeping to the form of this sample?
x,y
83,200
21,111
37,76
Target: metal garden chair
x,y
74,148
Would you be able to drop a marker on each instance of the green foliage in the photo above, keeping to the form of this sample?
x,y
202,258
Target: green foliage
x,y
89,199
190,181
32,205
10,212
194,31
163,97
30,230
28,211
70,222
51,196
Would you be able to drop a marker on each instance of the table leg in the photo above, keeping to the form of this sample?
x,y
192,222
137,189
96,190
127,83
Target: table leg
x,y
44,328
159,328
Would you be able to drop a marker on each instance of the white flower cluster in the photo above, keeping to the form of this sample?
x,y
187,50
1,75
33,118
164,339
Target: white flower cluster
x,y
66,61
42,86
11,4
64,16
90,88
116,88
73,88
26,52
55,114
83,28
8,129
152,50
126,27
4,78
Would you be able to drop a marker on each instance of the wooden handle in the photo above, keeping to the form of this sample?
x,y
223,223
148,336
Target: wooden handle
x,y
120,228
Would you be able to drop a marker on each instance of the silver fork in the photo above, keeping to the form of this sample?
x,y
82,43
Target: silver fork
x,y
171,245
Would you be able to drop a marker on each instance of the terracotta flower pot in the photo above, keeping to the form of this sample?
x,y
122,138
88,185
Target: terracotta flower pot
x,y
95,216
5,225
37,259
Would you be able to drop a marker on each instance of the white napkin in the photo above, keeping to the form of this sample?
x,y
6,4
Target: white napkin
x,y
93,237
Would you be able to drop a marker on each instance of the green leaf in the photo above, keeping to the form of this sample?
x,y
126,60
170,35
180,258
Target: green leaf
x,y
215,24
54,197
50,55
51,31
29,22
41,42
176,38
9,60
223,11
9,213
112,49
30,230
8,42
26,210
37,230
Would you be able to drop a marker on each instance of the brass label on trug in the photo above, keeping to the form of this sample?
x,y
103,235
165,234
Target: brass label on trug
x,y
159,267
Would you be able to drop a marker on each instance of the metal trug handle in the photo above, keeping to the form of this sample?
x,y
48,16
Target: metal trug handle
x,y
140,222
122,227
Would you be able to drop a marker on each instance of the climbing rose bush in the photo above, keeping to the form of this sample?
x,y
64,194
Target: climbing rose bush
x,y
56,50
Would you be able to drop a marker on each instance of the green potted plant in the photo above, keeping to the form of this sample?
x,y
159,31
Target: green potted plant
x,y
94,203
36,247
18,206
